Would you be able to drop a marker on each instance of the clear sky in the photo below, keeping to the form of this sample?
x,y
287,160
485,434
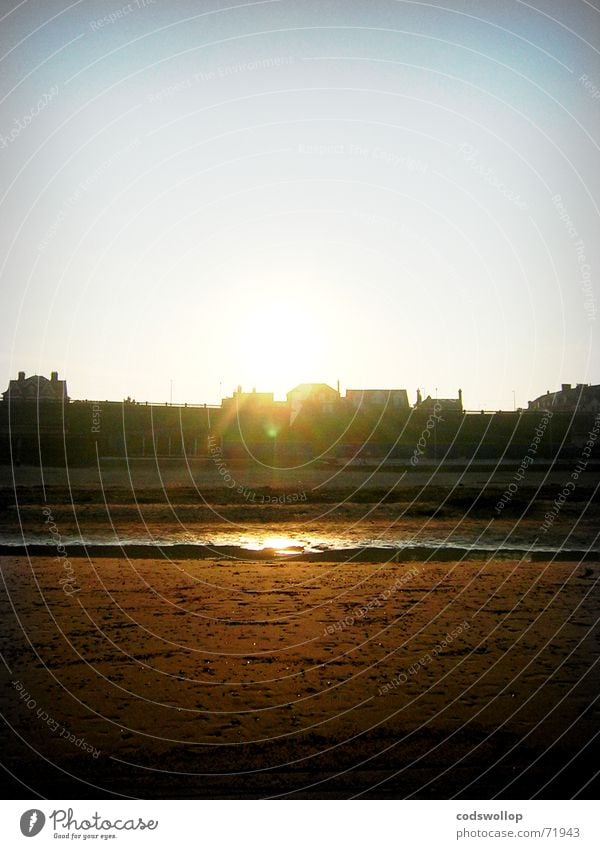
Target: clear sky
x,y
393,194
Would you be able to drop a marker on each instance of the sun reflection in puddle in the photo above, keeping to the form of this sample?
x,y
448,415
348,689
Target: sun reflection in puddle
x,y
278,544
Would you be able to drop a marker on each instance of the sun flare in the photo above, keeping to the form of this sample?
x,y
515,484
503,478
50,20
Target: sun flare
x,y
280,544
280,339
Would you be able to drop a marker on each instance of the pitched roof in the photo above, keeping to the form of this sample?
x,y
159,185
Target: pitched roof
x,y
312,387
36,387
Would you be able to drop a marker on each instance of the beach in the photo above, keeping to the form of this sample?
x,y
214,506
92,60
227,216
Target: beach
x,y
228,677
386,634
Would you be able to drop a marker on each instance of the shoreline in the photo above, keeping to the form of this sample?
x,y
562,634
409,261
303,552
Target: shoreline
x,y
367,554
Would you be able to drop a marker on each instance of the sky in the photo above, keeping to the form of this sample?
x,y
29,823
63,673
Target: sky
x,y
201,195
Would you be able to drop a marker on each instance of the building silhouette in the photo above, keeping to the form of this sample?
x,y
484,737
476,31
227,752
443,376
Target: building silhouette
x,y
36,388
582,398
394,399
41,424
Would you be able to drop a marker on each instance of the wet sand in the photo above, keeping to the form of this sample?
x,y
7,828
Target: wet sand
x,y
319,480
191,678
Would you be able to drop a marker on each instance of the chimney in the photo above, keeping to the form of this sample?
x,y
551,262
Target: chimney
x,y
565,387
21,376
460,397
419,397
54,376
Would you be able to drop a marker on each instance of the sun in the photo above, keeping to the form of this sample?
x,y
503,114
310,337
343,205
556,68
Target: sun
x,y
279,543
280,341
281,321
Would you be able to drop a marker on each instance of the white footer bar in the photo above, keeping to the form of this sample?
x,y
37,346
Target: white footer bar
x,y
301,824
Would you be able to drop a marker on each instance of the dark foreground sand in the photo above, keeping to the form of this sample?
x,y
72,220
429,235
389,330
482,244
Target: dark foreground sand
x,y
247,679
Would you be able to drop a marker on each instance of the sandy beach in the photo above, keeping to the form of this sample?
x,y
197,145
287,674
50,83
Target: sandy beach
x,y
241,679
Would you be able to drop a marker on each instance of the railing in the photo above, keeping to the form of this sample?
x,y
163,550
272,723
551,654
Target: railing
x,y
184,406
